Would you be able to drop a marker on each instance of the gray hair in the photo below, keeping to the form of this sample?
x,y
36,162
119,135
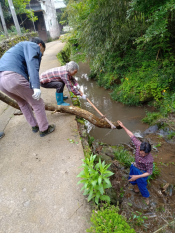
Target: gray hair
x,y
72,66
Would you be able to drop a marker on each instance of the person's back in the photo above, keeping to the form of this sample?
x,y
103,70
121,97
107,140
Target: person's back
x,y
18,57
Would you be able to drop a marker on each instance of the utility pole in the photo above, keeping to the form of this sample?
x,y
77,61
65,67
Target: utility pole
x,y
3,22
12,9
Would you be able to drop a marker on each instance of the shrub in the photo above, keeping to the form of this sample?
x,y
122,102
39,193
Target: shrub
x,y
124,157
64,55
95,178
107,220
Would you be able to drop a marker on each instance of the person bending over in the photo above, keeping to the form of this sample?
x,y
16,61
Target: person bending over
x,y
16,66
58,77
142,167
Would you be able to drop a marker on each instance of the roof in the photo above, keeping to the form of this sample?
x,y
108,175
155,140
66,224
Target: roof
x,y
59,4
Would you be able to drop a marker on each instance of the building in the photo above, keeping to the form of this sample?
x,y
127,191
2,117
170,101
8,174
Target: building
x,y
47,24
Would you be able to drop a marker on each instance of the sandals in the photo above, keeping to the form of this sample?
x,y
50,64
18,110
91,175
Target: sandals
x,y
50,129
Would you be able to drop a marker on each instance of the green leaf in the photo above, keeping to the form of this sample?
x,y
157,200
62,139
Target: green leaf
x,y
107,186
99,180
105,198
80,174
86,191
100,188
107,180
97,199
94,183
90,195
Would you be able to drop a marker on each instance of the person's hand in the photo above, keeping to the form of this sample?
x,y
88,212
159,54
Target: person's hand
x,y
133,177
120,123
37,94
84,96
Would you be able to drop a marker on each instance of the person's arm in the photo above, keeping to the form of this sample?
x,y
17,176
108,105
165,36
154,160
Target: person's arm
x,y
130,134
32,58
67,80
135,177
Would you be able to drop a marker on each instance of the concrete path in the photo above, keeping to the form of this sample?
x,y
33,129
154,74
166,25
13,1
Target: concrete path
x,y
38,184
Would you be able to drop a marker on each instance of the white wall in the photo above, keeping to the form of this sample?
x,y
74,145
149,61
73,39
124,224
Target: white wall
x,y
51,22
59,4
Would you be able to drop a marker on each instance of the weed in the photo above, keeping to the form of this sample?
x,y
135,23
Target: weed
x,y
95,178
124,157
138,218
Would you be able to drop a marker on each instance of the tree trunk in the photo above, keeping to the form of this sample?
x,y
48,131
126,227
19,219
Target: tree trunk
x,y
101,123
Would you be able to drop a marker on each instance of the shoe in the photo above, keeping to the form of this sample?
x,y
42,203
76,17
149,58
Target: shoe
x,y
59,99
2,134
50,129
35,129
65,97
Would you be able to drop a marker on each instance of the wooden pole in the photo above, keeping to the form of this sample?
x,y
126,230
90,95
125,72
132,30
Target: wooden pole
x,y
15,19
3,22
112,125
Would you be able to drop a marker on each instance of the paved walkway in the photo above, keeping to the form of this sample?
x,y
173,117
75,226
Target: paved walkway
x,y
38,184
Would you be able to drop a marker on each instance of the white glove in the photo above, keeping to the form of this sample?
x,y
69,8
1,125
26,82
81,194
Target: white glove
x,y
37,94
84,96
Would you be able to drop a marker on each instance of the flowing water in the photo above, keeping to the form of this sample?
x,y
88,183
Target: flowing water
x,y
130,116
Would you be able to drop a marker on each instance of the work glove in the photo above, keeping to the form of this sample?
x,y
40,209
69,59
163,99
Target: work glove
x,y
37,94
84,96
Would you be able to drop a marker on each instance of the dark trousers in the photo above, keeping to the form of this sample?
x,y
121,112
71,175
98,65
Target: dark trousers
x,y
59,86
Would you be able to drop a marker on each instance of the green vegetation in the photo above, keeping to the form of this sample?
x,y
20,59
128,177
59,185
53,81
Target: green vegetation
x,y
130,46
95,178
108,220
124,157
138,218
64,55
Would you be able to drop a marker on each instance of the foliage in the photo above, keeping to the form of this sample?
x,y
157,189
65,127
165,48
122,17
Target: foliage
x,y
130,45
124,157
108,220
95,179
64,55
20,8
171,135
138,218
156,172
7,44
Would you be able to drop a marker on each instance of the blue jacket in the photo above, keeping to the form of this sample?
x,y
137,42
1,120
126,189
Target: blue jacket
x,y
24,58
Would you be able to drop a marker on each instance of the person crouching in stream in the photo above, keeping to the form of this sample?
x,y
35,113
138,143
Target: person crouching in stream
x,y
58,77
142,167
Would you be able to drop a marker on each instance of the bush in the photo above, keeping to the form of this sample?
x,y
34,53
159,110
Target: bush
x,y
107,220
95,178
124,157
64,55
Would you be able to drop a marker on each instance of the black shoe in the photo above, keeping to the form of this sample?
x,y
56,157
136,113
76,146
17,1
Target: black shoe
x,y
35,129
2,134
50,129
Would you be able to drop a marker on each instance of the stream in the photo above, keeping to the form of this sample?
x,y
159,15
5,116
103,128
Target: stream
x,y
130,116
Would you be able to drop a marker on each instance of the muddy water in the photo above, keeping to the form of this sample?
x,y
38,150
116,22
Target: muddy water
x,y
130,116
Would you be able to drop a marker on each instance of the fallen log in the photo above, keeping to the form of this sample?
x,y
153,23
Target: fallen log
x,y
101,123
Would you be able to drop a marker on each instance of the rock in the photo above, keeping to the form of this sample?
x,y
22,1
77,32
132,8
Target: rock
x,y
105,158
151,130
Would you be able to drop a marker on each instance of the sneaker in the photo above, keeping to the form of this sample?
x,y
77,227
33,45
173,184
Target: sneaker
x,y
50,129
35,129
2,134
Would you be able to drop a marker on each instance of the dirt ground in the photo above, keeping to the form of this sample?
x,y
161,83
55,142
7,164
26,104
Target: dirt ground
x,y
38,184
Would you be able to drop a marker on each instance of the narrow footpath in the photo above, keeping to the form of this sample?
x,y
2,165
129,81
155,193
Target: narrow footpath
x,y
38,183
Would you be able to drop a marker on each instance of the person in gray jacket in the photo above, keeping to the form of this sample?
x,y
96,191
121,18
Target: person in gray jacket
x,y
16,66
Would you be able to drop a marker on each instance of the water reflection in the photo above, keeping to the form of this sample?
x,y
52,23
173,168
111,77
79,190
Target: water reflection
x,y
130,116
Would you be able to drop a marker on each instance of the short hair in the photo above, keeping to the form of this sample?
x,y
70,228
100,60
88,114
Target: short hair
x,y
145,146
72,66
38,40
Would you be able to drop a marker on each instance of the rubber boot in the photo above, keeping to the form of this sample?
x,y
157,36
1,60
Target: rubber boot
x,y
59,99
